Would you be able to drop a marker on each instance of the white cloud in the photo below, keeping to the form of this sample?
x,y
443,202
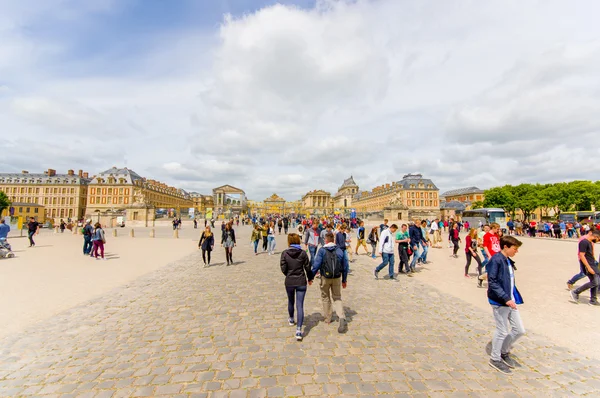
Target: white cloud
x,y
287,100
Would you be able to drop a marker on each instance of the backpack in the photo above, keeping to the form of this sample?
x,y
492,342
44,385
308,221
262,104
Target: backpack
x,y
331,266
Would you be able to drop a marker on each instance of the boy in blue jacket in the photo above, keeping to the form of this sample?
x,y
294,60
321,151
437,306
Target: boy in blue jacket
x,y
503,296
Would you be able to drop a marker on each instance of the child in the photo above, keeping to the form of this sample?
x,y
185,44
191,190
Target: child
x,y
503,296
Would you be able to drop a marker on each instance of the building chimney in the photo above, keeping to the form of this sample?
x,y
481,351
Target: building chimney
x,y
85,175
24,172
80,173
71,172
51,172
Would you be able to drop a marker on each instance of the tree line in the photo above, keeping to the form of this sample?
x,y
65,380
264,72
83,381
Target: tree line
x,y
560,197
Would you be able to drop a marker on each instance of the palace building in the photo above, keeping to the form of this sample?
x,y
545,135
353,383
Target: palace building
x,y
418,194
203,204
464,195
343,198
122,191
62,195
317,202
229,201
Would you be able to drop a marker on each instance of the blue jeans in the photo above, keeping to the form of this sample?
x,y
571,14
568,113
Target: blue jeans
x,y
576,277
87,244
30,236
256,245
299,292
271,243
388,259
313,253
416,256
424,254
485,258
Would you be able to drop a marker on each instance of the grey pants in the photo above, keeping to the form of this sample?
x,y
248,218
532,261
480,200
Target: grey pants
x,y
506,318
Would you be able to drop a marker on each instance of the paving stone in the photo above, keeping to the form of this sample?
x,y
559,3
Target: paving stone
x,y
187,330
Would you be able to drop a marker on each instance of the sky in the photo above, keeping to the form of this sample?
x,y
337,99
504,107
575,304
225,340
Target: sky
x,y
290,96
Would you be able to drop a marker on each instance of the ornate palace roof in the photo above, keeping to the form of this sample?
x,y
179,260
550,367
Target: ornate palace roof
x,y
462,191
129,175
416,180
274,198
349,182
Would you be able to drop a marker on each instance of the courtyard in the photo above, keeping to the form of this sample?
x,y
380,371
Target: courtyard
x,y
151,321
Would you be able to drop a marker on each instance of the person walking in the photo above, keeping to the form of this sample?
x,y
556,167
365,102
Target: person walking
x,y
279,225
373,240
471,253
228,242
581,274
195,224
455,239
271,238
504,297
331,263
416,240
589,266
295,265
311,241
403,240
207,244
265,233
360,238
33,228
87,232
286,224
386,248
63,225
255,238
98,241
437,236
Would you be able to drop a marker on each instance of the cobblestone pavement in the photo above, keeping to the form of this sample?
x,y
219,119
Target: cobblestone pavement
x,y
186,330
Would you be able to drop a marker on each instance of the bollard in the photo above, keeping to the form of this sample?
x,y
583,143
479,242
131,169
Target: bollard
x,y
152,233
176,234
115,232
131,233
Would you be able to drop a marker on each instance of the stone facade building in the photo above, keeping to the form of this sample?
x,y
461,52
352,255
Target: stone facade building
x,y
117,192
418,194
464,195
229,201
203,204
317,202
62,195
342,200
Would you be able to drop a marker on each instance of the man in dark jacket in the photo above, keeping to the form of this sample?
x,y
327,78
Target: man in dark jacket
x,y
503,296
416,239
331,285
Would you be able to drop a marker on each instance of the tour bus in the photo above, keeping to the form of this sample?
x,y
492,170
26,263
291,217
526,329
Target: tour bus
x,y
568,216
486,216
588,216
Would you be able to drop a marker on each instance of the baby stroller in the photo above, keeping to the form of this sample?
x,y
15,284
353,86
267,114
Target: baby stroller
x,y
5,249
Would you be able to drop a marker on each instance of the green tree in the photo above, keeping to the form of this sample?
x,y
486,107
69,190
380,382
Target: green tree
x,y
4,202
501,197
526,199
478,204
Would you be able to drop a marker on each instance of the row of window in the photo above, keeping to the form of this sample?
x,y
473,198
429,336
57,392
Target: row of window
x,y
35,209
115,200
46,200
37,191
109,191
40,181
